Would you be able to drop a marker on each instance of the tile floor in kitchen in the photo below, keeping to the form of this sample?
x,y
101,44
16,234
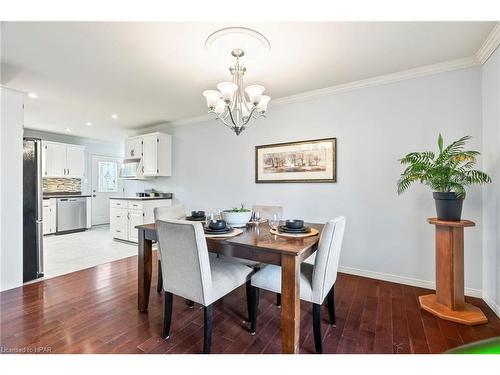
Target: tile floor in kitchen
x,y
76,251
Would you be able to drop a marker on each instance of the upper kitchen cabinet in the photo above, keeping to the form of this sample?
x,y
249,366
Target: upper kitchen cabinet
x,y
75,161
54,160
133,148
155,152
63,160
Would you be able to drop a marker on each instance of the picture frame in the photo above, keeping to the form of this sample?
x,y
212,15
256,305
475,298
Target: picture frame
x,y
301,161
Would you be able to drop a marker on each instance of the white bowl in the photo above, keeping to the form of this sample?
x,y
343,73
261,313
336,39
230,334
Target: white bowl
x,y
237,219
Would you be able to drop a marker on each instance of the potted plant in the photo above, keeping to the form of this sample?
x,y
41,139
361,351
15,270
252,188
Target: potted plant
x,y
446,173
237,217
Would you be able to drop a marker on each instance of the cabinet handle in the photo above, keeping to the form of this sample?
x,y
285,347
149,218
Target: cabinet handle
x,y
128,215
118,231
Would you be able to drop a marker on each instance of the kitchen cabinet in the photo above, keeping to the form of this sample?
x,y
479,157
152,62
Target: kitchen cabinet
x,y
49,216
54,160
63,160
118,223
150,155
134,218
126,214
75,161
155,152
133,148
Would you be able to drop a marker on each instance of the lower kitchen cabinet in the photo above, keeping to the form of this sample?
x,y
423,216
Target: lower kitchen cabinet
x,y
118,223
125,215
134,218
49,216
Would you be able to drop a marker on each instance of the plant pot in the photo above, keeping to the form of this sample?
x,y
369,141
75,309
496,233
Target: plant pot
x,y
448,206
237,219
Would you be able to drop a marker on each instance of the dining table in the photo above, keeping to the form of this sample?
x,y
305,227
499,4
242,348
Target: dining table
x,y
255,243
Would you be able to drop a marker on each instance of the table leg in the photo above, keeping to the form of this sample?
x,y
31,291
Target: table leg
x,y
290,303
144,268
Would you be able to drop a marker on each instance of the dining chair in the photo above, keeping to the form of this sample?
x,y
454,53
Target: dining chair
x,y
176,211
317,281
190,273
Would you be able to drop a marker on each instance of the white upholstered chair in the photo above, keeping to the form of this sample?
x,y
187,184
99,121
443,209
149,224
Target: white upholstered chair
x,y
189,272
176,212
317,280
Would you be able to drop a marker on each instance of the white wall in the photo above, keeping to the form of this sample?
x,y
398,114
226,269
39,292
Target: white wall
x,y
11,189
491,194
387,235
93,147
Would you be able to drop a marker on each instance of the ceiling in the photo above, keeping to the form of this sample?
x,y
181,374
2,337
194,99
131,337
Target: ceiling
x,y
150,73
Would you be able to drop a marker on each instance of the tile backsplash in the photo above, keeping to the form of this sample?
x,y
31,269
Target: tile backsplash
x,y
57,185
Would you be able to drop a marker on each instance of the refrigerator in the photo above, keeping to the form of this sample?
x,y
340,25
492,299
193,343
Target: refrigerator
x,y
32,210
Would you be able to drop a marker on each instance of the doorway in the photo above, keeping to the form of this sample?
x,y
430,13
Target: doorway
x,y
104,184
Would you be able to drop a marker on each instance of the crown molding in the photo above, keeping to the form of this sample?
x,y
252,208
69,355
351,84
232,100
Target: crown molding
x,y
426,70
3,87
422,71
490,44
172,124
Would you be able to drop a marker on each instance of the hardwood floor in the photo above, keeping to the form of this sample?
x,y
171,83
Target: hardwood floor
x,y
95,311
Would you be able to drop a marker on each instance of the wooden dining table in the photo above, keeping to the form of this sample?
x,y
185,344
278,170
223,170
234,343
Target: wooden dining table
x,y
255,243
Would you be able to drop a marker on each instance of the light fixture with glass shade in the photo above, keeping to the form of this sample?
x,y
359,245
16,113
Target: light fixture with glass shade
x,y
233,104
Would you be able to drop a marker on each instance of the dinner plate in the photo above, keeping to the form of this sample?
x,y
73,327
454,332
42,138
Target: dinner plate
x,y
190,218
217,231
284,229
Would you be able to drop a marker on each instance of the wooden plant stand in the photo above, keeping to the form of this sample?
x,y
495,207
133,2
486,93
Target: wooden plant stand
x,y
449,303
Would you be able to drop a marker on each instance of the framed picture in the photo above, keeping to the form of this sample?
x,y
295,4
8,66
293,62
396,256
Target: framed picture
x,y
304,161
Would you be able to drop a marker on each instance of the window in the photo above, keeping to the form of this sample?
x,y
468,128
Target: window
x,y
108,173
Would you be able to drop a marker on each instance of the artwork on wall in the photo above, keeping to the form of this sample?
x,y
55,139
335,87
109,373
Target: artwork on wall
x,y
304,161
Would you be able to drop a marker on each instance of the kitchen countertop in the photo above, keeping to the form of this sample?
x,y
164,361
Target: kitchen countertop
x,y
48,196
138,198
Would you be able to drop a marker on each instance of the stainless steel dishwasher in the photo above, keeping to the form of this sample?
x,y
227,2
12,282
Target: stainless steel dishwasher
x,y
71,214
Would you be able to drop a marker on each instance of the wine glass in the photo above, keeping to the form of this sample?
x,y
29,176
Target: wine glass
x,y
208,217
256,216
274,221
219,214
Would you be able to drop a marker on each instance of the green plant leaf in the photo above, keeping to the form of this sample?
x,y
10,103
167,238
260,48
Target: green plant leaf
x,y
450,171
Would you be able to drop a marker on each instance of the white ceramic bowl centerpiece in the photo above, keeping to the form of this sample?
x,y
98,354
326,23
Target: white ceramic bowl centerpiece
x,y
237,217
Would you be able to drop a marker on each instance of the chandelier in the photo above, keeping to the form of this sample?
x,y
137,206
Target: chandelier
x,y
229,102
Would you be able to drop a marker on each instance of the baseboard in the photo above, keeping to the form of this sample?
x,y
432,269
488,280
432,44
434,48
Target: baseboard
x,y
402,280
492,305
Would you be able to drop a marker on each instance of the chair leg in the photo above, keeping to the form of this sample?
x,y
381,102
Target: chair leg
x,y
278,300
207,328
252,303
159,284
167,314
317,327
331,306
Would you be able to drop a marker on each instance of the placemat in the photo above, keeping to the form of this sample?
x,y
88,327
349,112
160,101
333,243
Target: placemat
x,y
313,232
